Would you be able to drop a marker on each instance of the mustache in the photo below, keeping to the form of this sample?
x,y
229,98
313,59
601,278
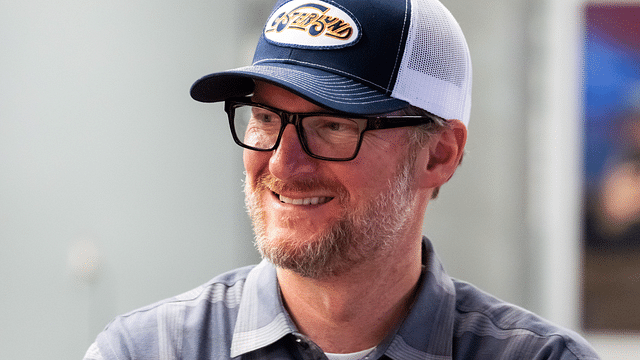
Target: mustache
x,y
269,182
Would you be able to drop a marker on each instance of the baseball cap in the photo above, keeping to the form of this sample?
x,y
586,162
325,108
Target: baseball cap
x,y
358,56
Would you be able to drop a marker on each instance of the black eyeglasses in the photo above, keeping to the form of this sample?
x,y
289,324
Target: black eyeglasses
x,y
323,135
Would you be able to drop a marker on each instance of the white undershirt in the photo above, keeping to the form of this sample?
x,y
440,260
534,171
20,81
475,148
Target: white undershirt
x,y
353,356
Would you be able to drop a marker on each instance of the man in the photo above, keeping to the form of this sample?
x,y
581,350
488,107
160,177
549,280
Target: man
x,y
342,117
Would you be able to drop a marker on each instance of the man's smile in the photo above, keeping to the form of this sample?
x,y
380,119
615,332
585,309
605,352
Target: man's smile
x,y
316,200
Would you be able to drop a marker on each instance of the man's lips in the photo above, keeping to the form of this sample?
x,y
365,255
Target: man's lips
x,y
305,192
315,200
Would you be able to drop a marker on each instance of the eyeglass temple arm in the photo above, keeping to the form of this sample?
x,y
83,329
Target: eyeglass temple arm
x,y
389,122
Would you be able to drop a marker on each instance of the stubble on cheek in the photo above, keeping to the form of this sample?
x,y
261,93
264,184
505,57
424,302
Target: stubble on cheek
x,y
310,255
355,234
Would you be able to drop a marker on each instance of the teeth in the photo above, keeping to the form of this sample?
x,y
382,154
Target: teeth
x,y
305,201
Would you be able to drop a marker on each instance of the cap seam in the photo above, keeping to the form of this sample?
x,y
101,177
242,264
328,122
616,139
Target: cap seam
x,y
399,52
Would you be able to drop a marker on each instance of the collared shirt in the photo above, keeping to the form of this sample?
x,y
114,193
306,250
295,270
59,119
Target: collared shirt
x,y
240,315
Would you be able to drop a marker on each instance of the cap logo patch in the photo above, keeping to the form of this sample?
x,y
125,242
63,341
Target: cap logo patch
x,y
312,25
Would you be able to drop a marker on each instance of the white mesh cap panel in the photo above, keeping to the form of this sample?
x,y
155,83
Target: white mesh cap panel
x,y
435,73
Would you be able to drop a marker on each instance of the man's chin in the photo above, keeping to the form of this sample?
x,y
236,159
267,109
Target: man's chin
x,y
312,257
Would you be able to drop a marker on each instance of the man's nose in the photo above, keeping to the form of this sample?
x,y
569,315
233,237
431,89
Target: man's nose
x,y
289,160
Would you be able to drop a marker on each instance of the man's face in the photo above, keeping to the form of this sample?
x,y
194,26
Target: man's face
x,y
318,217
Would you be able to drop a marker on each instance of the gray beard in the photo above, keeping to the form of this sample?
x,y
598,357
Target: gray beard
x,y
359,234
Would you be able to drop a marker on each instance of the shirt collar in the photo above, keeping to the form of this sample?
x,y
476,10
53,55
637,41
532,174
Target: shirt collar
x,y
262,319
426,332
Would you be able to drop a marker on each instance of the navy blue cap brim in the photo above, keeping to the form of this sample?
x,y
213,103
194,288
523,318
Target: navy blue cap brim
x,y
326,89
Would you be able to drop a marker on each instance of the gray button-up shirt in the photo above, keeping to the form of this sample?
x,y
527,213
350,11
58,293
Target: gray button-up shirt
x,y
240,315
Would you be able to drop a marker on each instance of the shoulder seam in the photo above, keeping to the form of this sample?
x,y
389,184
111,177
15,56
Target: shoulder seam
x,y
197,292
568,344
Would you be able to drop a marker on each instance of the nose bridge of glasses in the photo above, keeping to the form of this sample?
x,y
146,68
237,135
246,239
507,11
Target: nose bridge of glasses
x,y
294,119
288,118
291,146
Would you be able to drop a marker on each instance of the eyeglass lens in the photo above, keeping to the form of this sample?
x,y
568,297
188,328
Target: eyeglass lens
x,y
324,135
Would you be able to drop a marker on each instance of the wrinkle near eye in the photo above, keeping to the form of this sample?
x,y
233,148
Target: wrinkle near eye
x,y
384,140
376,138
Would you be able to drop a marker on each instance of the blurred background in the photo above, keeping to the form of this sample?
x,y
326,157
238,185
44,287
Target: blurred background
x,y
117,190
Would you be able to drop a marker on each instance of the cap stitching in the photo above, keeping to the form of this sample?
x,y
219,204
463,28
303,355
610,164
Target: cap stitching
x,y
323,94
324,68
402,41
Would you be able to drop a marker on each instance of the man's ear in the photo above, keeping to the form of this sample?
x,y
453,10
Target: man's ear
x,y
441,157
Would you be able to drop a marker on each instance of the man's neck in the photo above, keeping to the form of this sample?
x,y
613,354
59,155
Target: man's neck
x,y
355,310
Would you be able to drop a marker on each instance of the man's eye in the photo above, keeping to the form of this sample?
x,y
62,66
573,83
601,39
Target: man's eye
x,y
334,126
338,126
263,117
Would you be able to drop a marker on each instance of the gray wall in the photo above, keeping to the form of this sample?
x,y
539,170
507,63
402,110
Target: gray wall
x,y
118,190
105,159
